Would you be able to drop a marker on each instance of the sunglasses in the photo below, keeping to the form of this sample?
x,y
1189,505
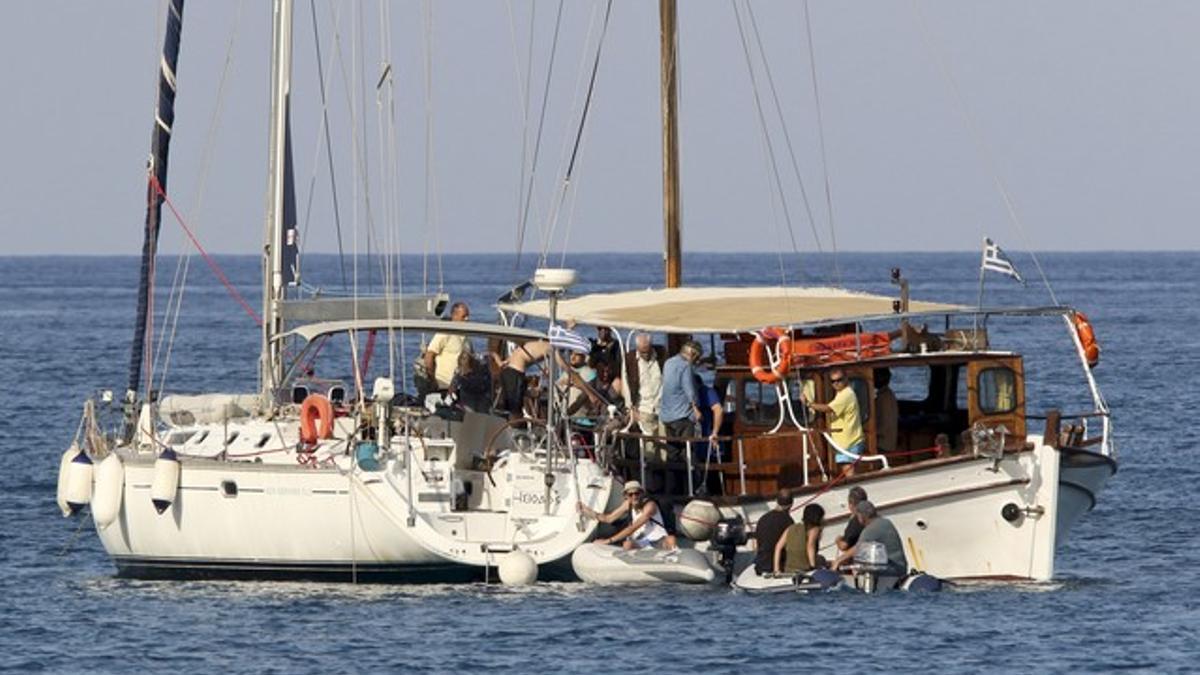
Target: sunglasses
x,y
835,381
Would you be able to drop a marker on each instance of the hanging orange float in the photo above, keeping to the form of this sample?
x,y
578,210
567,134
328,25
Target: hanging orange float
x,y
315,408
1087,338
760,362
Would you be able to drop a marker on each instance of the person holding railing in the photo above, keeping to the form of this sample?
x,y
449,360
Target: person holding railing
x,y
844,420
648,526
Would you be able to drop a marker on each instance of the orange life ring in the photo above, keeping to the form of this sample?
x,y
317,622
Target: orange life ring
x,y
315,407
1087,338
759,360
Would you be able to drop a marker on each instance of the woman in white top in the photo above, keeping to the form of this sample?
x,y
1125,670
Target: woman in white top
x,y
648,527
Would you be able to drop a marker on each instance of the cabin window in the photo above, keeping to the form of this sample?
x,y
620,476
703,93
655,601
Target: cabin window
x,y
997,390
761,404
910,383
179,437
232,437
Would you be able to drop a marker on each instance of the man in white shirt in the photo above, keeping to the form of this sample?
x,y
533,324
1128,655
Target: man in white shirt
x,y
644,370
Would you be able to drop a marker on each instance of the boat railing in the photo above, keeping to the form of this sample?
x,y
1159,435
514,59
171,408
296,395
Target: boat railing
x,y
713,460
1076,430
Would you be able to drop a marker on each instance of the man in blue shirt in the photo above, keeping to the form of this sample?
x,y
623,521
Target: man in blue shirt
x,y
677,410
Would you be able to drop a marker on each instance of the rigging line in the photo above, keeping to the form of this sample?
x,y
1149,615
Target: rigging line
x,y
432,215
787,136
391,186
980,143
183,263
207,258
556,196
812,66
358,153
763,124
337,211
583,117
524,92
537,144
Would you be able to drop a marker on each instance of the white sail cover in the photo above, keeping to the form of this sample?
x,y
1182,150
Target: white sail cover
x,y
721,310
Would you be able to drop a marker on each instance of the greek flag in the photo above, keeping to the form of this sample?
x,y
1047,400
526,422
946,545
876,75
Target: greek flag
x,y
562,338
995,260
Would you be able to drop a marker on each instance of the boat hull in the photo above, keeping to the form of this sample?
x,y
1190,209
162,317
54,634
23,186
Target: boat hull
x,y
241,520
972,518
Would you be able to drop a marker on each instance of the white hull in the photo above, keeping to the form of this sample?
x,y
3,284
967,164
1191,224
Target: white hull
x,y
284,519
952,517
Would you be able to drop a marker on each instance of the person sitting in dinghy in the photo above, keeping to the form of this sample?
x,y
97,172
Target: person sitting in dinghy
x,y
648,527
796,550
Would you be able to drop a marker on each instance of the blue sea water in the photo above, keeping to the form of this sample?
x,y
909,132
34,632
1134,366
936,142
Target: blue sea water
x,y
1125,595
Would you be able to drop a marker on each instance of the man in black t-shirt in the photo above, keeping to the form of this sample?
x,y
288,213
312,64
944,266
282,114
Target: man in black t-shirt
x,y
768,530
853,528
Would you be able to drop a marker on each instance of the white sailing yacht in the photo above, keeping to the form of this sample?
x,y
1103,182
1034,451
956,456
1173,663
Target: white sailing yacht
x,y
320,478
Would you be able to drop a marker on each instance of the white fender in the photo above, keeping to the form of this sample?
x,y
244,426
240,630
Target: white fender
x,y
64,466
166,480
110,484
79,482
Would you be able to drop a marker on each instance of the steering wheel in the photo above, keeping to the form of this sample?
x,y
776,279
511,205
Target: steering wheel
x,y
525,441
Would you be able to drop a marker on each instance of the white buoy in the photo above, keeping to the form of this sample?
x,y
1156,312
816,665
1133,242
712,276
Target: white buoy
x,y
517,569
106,496
166,480
79,482
64,466
698,519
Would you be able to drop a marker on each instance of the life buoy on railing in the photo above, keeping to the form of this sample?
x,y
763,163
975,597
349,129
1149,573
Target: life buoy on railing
x,y
760,362
1087,338
315,407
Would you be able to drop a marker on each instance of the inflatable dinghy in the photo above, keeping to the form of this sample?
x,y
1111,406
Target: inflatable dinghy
x,y
601,564
750,581
817,580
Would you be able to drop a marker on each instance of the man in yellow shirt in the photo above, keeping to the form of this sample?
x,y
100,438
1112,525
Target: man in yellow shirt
x,y
844,419
441,357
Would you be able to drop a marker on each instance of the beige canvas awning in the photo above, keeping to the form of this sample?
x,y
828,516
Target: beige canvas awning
x,y
721,310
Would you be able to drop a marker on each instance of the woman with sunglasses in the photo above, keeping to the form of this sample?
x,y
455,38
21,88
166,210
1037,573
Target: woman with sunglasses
x,y
844,420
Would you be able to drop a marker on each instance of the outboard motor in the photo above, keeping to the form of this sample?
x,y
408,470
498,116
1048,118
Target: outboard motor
x,y
870,561
729,534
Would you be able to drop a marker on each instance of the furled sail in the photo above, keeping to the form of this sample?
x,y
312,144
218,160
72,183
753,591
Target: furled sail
x,y
156,186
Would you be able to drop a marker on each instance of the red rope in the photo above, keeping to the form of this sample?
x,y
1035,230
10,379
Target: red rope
x,y
212,264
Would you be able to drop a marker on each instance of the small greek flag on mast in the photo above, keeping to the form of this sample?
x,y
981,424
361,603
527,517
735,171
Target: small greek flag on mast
x,y
995,260
565,338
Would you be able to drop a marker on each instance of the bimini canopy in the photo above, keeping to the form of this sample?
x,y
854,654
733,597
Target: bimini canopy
x,y
310,331
722,310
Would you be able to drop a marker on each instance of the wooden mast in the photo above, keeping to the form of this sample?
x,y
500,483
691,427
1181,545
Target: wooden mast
x,y
672,255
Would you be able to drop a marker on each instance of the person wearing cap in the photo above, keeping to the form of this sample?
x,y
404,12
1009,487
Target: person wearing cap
x,y
768,530
647,527
796,551
877,528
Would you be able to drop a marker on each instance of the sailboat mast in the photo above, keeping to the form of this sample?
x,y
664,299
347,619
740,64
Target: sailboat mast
x,y
271,363
670,130
156,185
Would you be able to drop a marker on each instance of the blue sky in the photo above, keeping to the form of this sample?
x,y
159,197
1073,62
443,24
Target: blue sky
x,y
1085,111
